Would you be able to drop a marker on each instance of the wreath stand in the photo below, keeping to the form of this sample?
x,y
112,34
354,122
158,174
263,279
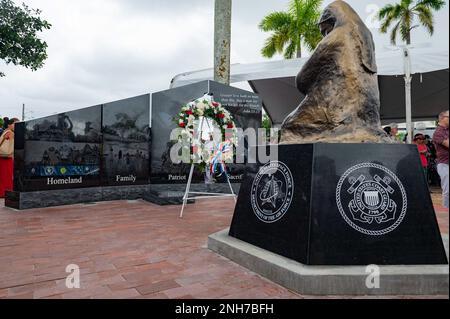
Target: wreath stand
x,y
203,195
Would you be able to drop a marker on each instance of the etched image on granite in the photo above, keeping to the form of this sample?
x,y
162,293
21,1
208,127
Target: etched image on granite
x,y
126,141
63,149
244,106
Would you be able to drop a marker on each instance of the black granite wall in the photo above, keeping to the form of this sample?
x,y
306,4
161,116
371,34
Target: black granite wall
x,y
59,151
119,143
104,145
126,142
244,106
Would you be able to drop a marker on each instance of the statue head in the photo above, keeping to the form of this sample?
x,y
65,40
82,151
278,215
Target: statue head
x,y
339,15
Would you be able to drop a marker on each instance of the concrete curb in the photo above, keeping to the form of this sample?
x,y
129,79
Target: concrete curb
x,y
332,280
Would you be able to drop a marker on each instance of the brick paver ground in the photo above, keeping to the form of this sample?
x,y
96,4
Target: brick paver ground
x,y
128,250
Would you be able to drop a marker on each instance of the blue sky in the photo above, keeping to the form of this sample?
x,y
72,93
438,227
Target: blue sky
x,y
105,50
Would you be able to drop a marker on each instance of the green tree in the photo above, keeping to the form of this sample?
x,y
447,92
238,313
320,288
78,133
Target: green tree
x,y
124,123
404,15
271,133
19,42
293,29
266,122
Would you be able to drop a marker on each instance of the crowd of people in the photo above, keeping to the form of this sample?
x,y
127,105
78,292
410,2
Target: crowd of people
x,y
6,154
433,153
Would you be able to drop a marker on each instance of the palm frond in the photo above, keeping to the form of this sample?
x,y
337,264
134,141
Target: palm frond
x,y
408,18
269,49
305,10
275,44
404,14
405,32
394,33
425,18
388,15
289,28
275,21
312,38
295,7
281,38
433,4
385,11
398,10
406,3
290,51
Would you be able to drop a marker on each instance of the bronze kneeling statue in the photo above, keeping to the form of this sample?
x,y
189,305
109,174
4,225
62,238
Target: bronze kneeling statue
x,y
342,103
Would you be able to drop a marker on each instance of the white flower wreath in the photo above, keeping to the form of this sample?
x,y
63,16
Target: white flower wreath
x,y
189,120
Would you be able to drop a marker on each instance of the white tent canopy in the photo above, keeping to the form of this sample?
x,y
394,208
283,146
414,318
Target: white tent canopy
x,y
274,81
389,63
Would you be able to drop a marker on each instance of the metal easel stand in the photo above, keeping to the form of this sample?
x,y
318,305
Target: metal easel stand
x,y
203,195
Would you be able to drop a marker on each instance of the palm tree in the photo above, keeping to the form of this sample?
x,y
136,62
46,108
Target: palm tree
x,y
404,15
292,29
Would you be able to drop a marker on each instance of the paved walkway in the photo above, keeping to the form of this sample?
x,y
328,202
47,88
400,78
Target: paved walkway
x,y
127,250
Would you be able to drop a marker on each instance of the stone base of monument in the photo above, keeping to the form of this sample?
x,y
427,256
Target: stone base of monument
x,y
165,198
42,199
333,280
341,204
156,194
164,194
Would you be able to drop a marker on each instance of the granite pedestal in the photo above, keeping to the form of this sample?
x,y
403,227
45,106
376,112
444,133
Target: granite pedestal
x,y
333,280
341,204
172,194
51,198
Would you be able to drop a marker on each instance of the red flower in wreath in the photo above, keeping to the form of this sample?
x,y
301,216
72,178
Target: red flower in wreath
x,y
221,115
182,125
189,112
230,125
215,104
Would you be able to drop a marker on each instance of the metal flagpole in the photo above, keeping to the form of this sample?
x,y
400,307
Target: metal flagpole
x,y
222,40
408,80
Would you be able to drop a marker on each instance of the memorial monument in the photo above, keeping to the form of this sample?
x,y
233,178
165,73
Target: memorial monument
x,y
117,150
244,106
340,192
342,102
168,180
87,155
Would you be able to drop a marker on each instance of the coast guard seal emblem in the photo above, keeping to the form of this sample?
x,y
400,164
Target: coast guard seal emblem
x,y
371,199
272,192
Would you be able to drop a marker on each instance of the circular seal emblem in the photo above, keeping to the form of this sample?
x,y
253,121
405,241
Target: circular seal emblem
x,y
371,199
272,192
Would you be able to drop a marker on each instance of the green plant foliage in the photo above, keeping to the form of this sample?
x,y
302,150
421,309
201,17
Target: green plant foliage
x,y
19,41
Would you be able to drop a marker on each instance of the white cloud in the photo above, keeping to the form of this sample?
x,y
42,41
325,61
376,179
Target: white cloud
x,y
98,54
